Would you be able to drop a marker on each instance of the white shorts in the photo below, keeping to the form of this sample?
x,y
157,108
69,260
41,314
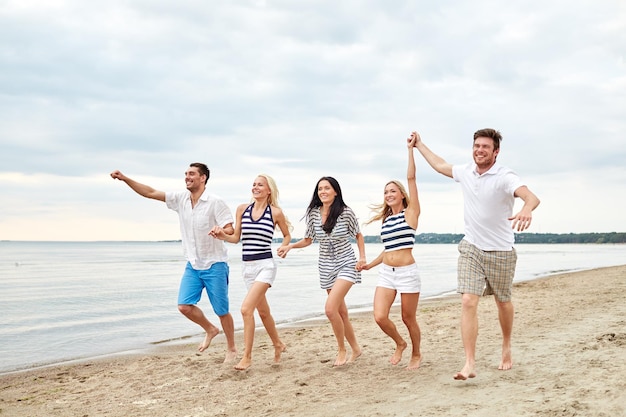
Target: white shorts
x,y
404,279
263,270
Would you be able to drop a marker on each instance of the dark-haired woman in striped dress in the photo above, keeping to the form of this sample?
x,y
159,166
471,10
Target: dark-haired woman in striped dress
x,y
333,224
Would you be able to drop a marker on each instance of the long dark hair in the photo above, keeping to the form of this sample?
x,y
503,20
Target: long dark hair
x,y
335,210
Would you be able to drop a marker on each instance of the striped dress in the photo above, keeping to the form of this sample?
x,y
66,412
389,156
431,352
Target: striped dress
x,y
336,255
256,235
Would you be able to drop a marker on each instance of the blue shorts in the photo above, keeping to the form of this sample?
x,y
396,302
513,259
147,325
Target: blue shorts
x,y
214,279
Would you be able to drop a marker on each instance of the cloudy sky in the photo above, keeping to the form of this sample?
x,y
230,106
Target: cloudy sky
x,y
298,90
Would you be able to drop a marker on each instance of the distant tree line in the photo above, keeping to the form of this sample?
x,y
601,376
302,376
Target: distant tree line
x,y
612,237
438,238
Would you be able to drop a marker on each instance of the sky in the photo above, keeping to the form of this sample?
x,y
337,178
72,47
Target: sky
x,y
299,90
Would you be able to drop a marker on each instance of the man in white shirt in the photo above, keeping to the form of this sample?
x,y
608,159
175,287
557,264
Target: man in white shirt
x,y
207,266
487,257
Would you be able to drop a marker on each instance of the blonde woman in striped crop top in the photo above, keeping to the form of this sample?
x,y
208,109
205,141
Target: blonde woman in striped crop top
x,y
255,224
398,272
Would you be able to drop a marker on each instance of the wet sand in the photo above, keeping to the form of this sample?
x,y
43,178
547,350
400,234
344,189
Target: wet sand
x,y
569,354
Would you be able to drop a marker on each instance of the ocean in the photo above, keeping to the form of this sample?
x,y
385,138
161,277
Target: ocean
x,y
65,301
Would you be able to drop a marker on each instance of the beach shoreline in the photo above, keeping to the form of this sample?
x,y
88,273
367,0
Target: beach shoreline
x,y
569,346
312,320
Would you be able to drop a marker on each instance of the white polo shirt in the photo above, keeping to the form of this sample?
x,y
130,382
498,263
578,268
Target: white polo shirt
x,y
488,204
200,249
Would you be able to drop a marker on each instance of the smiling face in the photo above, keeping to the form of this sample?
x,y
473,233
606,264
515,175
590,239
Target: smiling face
x,y
260,189
194,180
326,192
394,197
484,153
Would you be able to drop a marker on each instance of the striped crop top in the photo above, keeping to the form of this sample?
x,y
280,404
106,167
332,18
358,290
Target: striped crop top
x,y
396,234
256,235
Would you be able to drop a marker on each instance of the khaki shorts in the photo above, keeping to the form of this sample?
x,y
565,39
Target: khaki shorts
x,y
486,272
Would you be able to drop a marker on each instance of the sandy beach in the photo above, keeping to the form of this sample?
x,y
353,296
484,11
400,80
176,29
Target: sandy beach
x,y
569,353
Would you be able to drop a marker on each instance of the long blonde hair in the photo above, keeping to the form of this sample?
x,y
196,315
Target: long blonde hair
x,y
382,211
272,199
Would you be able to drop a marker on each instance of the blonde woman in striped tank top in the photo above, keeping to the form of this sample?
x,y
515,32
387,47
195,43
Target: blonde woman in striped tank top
x,y
398,273
255,224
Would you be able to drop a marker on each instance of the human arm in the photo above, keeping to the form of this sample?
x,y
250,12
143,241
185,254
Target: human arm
x,y
435,161
281,221
141,189
377,261
283,250
522,220
228,229
412,211
309,234
229,233
360,243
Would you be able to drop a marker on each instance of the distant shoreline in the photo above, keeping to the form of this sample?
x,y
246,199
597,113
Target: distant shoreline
x,y
420,239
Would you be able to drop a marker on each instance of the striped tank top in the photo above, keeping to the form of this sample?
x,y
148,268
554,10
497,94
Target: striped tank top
x,y
396,234
256,235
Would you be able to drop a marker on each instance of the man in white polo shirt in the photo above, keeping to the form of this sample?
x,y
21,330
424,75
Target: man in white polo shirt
x,y
207,267
487,257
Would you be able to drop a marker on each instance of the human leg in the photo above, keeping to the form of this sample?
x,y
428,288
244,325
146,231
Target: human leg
x,y
216,282
247,313
349,333
469,334
254,297
500,271
189,293
196,315
337,314
258,276
471,285
228,325
383,300
270,327
409,317
506,312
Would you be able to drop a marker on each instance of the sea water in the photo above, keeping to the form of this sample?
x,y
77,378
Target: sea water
x,y
71,300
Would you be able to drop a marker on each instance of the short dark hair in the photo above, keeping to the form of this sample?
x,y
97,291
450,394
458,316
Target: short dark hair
x,y
204,170
495,135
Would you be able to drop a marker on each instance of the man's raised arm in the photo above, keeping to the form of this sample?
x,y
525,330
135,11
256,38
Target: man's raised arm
x,y
139,188
435,161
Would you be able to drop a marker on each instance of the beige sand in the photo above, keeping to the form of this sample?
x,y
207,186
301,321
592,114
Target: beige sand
x,y
569,357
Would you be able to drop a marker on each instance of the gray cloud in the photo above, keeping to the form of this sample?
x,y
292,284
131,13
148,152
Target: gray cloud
x,y
304,89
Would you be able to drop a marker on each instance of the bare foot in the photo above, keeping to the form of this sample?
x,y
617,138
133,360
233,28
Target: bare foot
x,y
243,364
507,361
341,358
355,355
231,355
414,363
466,372
278,350
397,355
208,338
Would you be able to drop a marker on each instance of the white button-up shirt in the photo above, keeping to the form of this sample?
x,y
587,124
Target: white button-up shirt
x,y
200,249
